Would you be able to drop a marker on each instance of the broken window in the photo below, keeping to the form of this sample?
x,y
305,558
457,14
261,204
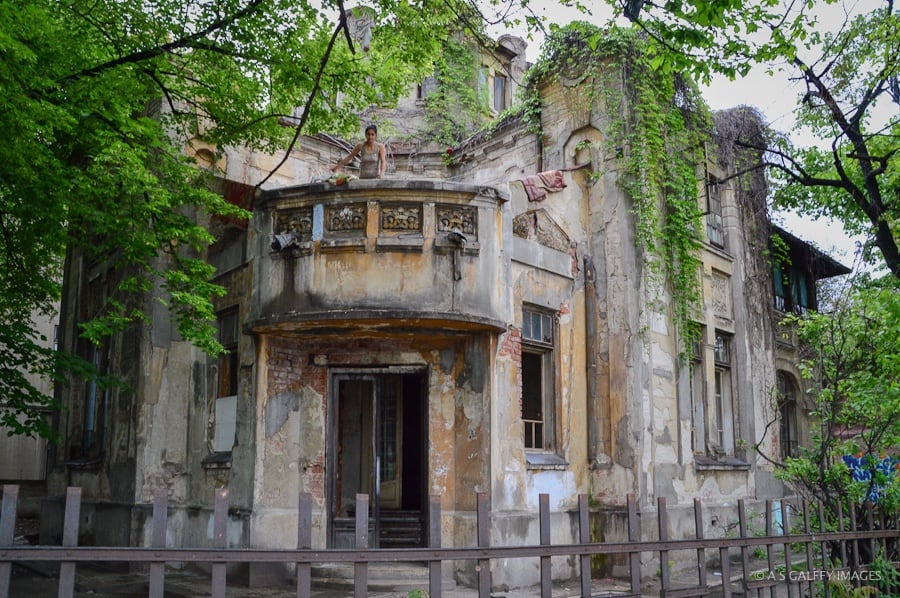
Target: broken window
x,y
500,90
225,418
537,379
698,395
787,415
715,229
721,439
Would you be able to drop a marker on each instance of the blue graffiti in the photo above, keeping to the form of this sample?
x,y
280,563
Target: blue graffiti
x,y
863,467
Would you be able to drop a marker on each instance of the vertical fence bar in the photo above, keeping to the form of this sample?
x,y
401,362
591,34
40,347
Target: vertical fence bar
x,y
220,540
434,541
809,548
725,562
7,532
484,540
843,544
70,539
745,550
786,531
770,552
304,542
662,518
823,546
361,569
546,573
701,553
854,557
584,537
158,540
870,527
634,558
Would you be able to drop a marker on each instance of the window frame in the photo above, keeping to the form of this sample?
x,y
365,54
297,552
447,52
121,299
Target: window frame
x,y
788,423
715,224
722,403
224,420
543,348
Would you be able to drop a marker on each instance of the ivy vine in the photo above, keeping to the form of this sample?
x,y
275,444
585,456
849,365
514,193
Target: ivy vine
x,y
658,127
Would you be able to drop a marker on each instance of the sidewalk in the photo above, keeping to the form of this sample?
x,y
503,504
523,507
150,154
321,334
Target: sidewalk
x,y
40,580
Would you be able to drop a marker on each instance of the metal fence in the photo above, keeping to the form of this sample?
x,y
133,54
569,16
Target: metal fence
x,y
798,558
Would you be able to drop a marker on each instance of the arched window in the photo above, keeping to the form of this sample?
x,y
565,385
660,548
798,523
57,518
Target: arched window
x,y
787,414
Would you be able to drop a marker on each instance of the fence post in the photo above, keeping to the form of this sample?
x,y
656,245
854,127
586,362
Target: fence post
x,y
484,540
701,553
745,550
360,569
304,542
7,532
823,545
70,539
584,537
786,532
546,572
158,540
220,540
662,518
770,531
633,536
434,541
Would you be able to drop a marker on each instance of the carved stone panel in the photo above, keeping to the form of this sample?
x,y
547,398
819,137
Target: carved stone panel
x,y
346,218
299,221
401,217
721,295
461,218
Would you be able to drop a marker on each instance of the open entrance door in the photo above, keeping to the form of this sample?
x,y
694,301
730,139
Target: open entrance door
x,y
378,447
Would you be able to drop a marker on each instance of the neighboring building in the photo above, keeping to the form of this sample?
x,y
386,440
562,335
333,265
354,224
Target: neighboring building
x,y
454,329
24,458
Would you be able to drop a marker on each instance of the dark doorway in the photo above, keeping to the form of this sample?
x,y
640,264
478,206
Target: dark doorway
x,y
378,445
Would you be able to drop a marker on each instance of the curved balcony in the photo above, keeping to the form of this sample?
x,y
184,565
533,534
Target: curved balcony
x,y
379,255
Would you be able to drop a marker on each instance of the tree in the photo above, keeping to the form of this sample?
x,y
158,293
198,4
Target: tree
x,y
98,101
852,364
853,175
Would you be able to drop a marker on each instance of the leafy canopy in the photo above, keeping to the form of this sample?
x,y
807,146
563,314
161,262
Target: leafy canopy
x,y
98,101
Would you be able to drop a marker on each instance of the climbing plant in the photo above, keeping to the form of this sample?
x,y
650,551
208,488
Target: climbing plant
x,y
657,128
453,103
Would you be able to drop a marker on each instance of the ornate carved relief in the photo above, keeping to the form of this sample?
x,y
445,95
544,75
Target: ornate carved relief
x,y
299,221
401,217
346,218
721,295
461,218
538,226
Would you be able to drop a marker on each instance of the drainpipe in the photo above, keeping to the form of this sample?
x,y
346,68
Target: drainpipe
x,y
591,344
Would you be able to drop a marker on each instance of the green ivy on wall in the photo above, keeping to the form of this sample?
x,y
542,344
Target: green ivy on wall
x,y
657,128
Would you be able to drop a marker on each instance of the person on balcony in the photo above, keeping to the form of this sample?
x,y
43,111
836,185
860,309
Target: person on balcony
x,y
372,156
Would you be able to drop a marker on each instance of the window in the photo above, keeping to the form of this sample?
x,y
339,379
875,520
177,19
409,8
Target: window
x,y
227,382
96,395
722,426
698,398
715,230
537,379
787,415
500,86
792,290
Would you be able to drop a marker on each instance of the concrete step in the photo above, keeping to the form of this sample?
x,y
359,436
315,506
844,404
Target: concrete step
x,y
382,577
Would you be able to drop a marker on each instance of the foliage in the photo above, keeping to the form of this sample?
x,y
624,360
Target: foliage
x,y
853,366
657,130
850,90
99,100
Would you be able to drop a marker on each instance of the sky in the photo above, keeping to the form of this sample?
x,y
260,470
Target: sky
x,y
775,96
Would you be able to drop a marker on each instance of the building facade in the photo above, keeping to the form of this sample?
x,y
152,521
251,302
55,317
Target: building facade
x,y
485,324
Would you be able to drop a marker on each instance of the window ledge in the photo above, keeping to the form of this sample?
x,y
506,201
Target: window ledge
x,y
552,461
724,463
217,461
